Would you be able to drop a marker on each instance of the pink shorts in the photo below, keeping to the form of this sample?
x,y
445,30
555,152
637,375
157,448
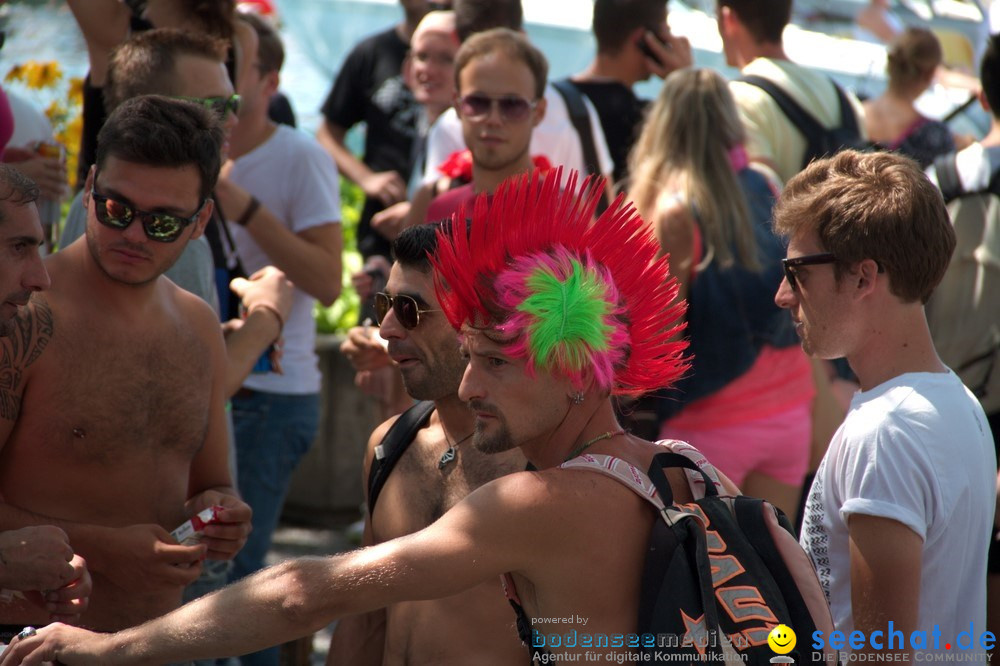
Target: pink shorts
x,y
776,445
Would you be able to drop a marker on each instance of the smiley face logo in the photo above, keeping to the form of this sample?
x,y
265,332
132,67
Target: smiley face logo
x,y
781,639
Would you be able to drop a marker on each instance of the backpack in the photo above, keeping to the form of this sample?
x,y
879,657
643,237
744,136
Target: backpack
x,y
820,141
388,452
580,117
964,311
721,572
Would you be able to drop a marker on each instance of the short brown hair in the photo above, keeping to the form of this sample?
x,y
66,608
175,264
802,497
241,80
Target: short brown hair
x,y
913,57
877,206
15,188
765,20
615,20
473,16
146,64
513,44
164,132
270,51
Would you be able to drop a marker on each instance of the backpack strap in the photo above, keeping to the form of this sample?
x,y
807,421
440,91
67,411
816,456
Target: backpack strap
x,y
848,120
388,452
946,168
802,119
580,117
702,478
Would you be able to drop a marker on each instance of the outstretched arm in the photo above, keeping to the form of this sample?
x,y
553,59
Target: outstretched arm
x,y
484,535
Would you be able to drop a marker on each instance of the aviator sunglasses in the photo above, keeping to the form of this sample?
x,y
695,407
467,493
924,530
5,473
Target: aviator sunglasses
x,y
512,109
160,227
405,308
220,106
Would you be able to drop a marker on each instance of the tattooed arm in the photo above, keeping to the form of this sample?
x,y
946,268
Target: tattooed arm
x,y
27,335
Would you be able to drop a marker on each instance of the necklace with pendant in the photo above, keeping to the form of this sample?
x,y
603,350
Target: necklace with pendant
x,y
450,453
583,447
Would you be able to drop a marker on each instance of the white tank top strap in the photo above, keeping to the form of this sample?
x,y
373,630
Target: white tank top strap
x,y
636,479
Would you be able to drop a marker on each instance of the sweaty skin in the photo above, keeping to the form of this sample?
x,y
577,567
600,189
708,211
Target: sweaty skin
x,y
416,494
112,428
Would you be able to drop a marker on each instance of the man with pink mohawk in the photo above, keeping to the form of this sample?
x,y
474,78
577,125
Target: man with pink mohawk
x,y
556,314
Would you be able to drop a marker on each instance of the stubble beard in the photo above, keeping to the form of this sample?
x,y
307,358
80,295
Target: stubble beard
x,y
499,441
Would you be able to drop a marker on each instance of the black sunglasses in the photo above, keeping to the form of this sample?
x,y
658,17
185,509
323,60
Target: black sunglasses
x,y
406,309
791,263
160,227
512,109
220,106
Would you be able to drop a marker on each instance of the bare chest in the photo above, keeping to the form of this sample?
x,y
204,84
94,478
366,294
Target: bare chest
x,y
424,485
100,394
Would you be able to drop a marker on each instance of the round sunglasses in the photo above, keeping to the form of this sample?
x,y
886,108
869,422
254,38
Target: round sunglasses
x,y
159,227
406,309
512,109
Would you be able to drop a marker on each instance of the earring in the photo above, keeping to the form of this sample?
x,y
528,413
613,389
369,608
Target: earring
x,y
578,398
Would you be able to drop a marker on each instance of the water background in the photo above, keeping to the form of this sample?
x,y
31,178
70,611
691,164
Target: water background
x,y
318,34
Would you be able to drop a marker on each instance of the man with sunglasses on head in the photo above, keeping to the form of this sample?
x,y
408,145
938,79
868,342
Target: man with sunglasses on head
x,y
190,66
424,467
117,430
500,81
898,518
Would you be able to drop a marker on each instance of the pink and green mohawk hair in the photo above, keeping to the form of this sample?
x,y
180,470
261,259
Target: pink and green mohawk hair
x,y
568,293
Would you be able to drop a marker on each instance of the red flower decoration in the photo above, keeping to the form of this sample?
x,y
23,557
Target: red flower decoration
x,y
459,165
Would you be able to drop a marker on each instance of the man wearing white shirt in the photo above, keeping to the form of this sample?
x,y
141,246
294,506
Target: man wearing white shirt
x,y
280,196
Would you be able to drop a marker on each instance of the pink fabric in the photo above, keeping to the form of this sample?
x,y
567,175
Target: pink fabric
x,y
759,422
443,206
6,122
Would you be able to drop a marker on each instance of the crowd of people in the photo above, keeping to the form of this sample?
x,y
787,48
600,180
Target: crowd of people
x,y
562,274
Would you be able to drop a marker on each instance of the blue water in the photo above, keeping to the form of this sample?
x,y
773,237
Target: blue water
x,y
318,34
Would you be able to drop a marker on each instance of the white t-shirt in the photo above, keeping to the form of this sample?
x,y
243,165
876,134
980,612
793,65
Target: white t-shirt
x,y
915,449
297,181
555,138
973,167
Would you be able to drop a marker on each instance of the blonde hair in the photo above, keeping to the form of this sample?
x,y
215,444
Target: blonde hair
x,y
687,136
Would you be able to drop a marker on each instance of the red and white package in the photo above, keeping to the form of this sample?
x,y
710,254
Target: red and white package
x,y
190,532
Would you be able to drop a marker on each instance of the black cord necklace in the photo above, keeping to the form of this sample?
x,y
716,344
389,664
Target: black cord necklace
x,y
451,452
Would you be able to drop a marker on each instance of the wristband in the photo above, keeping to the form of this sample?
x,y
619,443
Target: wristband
x,y
273,310
248,212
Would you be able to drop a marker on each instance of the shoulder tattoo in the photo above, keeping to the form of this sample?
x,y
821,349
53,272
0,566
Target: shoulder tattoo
x,y
30,334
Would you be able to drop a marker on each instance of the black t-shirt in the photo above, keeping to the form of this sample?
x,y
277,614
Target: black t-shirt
x,y
621,114
370,89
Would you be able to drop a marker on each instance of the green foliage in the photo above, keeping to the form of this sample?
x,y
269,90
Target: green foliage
x,y
344,313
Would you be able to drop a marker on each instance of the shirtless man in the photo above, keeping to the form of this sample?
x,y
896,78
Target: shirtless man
x,y
38,557
437,470
574,541
113,428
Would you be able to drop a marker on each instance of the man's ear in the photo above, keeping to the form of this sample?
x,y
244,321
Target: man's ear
x,y
984,102
203,218
273,81
866,276
88,185
540,108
